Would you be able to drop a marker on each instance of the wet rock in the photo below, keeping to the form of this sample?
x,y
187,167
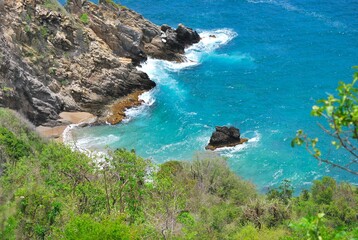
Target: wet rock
x,y
187,36
225,137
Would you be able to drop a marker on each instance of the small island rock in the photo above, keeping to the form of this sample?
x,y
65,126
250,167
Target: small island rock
x,y
225,137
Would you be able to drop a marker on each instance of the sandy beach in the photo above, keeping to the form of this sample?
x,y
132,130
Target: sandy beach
x,y
68,117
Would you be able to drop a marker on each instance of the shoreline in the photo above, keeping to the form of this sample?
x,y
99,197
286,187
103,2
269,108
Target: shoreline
x,y
69,119
116,114
116,111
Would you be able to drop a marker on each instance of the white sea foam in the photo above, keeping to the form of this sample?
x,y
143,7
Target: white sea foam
x,y
85,145
67,135
210,41
148,100
278,174
159,70
96,142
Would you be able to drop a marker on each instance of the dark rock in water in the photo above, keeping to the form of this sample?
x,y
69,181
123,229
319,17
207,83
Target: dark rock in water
x,y
187,36
171,43
225,137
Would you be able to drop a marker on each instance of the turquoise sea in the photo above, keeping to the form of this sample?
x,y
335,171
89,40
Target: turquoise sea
x,y
269,63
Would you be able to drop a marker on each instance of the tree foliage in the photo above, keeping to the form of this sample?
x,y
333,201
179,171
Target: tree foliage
x,y
341,113
52,192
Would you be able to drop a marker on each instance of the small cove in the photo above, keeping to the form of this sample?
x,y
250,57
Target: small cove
x,y
270,62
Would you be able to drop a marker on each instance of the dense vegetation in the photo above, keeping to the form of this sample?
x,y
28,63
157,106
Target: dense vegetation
x,y
48,191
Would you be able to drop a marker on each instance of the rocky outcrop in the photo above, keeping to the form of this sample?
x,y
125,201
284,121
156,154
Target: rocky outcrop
x,y
225,137
130,35
172,42
186,36
21,90
82,58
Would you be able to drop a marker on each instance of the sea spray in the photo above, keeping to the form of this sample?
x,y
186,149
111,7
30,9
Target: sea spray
x,y
210,41
147,99
81,145
159,70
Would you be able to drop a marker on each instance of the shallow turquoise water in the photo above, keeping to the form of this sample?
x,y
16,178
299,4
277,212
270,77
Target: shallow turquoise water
x,y
270,62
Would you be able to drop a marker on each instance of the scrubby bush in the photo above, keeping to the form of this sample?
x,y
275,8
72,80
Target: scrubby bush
x,y
48,191
15,148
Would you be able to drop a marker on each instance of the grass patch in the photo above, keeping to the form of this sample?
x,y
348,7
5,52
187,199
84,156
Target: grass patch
x,y
84,18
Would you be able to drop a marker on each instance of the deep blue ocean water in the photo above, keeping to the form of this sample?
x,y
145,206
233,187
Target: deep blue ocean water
x,y
270,62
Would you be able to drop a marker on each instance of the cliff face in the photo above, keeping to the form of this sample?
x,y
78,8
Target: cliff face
x,y
81,58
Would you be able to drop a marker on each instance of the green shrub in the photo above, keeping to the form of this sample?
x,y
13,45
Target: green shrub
x,y
84,18
323,190
283,192
214,176
53,192
315,228
85,227
263,212
15,148
339,201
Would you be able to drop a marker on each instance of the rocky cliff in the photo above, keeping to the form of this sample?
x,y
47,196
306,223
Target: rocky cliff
x,y
81,57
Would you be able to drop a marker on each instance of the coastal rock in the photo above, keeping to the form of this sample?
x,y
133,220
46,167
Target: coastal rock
x,y
172,42
165,27
130,35
51,60
117,111
187,36
74,6
225,137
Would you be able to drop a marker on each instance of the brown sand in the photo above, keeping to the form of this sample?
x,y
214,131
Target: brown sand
x,y
116,115
51,132
76,117
71,117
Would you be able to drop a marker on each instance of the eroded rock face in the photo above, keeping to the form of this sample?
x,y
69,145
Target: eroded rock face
x,y
21,90
52,60
225,137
